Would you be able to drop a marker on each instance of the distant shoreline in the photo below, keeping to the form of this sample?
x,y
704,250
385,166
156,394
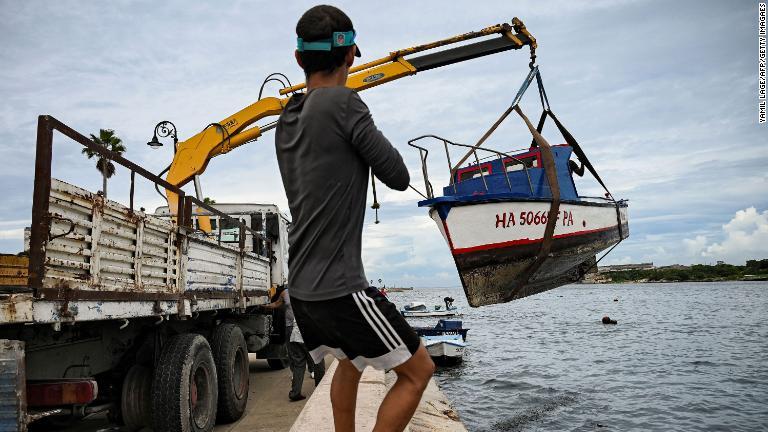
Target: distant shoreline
x,y
643,281
753,271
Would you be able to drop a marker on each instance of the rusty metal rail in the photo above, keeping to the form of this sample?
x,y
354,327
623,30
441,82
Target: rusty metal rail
x,y
423,153
42,221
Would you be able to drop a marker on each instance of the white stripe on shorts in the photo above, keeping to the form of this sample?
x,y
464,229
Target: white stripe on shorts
x,y
375,313
390,346
386,323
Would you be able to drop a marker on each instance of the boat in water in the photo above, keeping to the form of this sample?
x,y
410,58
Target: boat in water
x,y
420,309
514,222
446,342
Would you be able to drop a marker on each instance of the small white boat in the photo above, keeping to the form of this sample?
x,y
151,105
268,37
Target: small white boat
x,y
421,310
445,342
446,347
430,313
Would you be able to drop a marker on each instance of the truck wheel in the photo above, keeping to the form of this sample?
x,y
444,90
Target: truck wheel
x,y
277,364
184,391
231,355
136,398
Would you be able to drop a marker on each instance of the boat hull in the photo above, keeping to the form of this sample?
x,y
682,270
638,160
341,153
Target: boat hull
x,y
445,350
440,313
495,244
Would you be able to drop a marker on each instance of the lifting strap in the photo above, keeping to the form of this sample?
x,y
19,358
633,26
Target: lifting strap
x,y
548,163
577,150
569,139
531,75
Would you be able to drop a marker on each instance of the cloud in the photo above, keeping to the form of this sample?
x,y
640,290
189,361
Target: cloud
x,y
17,233
669,123
744,237
696,245
12,230
406,250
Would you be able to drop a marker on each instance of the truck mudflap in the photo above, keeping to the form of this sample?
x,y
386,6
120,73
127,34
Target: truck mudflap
x,y
13,396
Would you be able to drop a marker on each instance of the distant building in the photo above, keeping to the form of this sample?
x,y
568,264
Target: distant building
x,y
626,267
675,267
27,237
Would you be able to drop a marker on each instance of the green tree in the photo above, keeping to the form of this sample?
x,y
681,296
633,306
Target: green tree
x,y
209,201
111,142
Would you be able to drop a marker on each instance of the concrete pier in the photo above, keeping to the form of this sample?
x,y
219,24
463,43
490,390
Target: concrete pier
x,y
270,411
433,414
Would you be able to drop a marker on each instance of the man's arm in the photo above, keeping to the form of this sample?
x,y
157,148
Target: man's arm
x,y
277,303
374,147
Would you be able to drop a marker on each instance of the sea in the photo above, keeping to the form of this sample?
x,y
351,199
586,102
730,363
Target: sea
x,y
683,357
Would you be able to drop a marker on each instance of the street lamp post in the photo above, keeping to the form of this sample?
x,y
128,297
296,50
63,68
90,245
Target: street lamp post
x,y
164,129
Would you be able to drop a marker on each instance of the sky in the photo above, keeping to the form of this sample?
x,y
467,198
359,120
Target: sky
x,y
661,95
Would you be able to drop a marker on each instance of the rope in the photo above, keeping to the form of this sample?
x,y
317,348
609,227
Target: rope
x,y
375,206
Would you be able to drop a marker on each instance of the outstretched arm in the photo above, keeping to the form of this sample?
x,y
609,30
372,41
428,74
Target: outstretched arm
x,y
374,147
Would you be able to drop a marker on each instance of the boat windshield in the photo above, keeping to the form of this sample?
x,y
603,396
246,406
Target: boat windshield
x,y
473,172
512,165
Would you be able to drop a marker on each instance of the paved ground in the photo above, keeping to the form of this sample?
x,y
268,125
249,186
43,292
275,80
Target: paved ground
x,y
268,406
434,413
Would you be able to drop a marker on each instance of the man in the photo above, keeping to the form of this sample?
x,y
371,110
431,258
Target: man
x,y
326,144
298,356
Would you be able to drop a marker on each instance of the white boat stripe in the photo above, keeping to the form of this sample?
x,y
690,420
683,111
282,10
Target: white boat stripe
x,y
386,322
376,319
367,318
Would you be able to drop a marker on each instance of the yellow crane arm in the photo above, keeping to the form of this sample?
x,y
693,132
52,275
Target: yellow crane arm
x,y
192,155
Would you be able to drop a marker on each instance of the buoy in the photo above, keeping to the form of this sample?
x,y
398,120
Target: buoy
x,y
608,320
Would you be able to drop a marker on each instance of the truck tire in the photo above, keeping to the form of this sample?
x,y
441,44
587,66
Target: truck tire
x,y
230,353
136,398
184,391
277,363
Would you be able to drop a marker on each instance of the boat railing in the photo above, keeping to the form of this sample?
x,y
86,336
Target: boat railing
x,y
520,150
598,199
423,153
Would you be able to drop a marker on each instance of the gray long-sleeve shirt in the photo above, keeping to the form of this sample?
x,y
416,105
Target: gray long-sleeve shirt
x,y
326,143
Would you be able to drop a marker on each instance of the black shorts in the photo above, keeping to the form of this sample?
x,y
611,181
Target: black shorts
x,y
364,327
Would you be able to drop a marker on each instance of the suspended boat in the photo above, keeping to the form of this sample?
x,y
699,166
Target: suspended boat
x,y
515,223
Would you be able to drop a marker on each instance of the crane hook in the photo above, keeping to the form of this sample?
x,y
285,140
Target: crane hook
x,y
532,63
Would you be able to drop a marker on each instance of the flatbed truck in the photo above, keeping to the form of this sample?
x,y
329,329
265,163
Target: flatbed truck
x,y
140,315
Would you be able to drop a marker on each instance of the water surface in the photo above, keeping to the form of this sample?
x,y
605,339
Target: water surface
x,y
685,356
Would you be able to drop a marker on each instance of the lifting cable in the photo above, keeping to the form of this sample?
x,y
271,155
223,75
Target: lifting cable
x,y
548,165
547,162
580,155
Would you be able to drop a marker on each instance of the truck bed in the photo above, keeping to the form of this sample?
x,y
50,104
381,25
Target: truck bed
x,y
103,260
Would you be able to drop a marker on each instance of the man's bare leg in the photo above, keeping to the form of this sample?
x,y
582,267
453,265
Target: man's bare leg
x,y
401,401
344,395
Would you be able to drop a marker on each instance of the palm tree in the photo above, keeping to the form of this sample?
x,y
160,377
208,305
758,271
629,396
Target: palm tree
x,y
108,140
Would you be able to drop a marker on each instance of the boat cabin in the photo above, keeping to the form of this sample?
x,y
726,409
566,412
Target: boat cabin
x,y
520,175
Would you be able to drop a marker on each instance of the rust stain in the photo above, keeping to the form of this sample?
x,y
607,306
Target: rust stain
x,y
65,293
11,308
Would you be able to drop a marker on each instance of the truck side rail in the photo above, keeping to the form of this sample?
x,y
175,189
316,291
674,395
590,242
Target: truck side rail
x,y
247,276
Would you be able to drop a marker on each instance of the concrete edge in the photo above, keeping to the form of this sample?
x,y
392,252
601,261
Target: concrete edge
x,y
434,414
317,414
